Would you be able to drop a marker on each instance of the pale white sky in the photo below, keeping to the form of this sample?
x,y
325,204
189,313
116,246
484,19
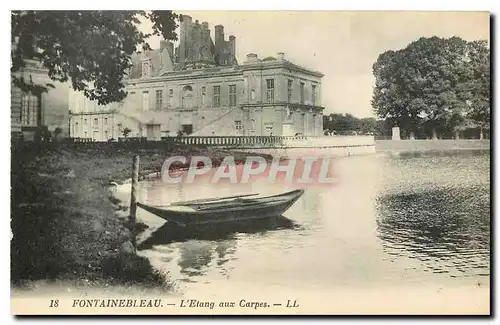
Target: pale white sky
x,y
342,45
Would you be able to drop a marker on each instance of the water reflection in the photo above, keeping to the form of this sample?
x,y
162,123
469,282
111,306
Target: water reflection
x,y
201,247
389,220
446,228
171,233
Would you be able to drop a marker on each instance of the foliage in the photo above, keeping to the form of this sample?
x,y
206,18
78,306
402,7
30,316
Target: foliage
x,y
91,49
126,132
347,123
433,83
480,83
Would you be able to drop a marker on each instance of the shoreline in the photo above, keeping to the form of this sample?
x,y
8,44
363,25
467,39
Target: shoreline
x,y
430,146
66,224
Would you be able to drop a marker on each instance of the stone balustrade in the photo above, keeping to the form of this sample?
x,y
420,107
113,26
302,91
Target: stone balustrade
x,y
275,141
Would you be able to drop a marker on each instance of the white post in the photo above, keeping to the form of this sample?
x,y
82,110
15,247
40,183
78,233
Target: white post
x,y
395,133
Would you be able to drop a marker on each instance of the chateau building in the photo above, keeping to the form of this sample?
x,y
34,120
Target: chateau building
x,y
199,88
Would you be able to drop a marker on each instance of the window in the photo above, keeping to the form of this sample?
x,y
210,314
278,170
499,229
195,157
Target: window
x,y
290,84
120,128
270,90
313,99
146,69
187,97
29,110
216,99
84,121
159,100
75,130
96,121
239,127
170,97
105,121
203,95
145,101
302,93
232,95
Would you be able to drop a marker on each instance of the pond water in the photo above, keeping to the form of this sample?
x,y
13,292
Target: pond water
x,y
387,221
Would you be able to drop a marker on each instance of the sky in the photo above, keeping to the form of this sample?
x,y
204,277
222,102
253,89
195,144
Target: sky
x,y
343,45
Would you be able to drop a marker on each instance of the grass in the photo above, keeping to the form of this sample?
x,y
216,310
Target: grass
x,y
64,220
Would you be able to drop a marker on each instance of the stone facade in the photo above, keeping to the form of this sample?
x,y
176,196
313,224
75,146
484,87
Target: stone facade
x,y
31,111
200,89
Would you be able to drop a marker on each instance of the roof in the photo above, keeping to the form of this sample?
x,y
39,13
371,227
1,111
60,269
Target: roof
x,y
153,55
269,58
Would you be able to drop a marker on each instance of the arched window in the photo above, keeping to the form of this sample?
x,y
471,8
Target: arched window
x,y
187,97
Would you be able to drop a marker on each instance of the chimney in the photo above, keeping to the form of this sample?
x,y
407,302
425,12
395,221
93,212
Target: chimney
x,y
219,33
185,22
219,42
205,25
281,56
232,47
232,42
251,57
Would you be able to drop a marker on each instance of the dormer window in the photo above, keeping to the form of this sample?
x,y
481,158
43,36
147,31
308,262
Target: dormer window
x,y
146,69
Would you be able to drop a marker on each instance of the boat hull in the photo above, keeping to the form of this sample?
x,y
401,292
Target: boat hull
x,y
254,211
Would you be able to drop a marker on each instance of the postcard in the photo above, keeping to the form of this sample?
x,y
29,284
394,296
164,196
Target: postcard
x,y
250,163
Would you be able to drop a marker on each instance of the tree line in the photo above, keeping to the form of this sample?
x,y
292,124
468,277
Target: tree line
x,y
347,124
435,87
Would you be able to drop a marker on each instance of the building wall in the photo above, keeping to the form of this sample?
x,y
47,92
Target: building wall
x,y
99,122
53,109
183,103
164,104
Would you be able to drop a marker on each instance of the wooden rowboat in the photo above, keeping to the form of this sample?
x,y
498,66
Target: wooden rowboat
x,y
225,209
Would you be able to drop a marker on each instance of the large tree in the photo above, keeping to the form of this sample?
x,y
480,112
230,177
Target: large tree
x,y
430,83
479,84
90,49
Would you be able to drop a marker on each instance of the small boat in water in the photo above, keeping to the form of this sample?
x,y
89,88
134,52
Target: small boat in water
x,y
225,209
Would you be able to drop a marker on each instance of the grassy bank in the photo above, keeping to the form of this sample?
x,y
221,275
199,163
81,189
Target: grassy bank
x,y
64,221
